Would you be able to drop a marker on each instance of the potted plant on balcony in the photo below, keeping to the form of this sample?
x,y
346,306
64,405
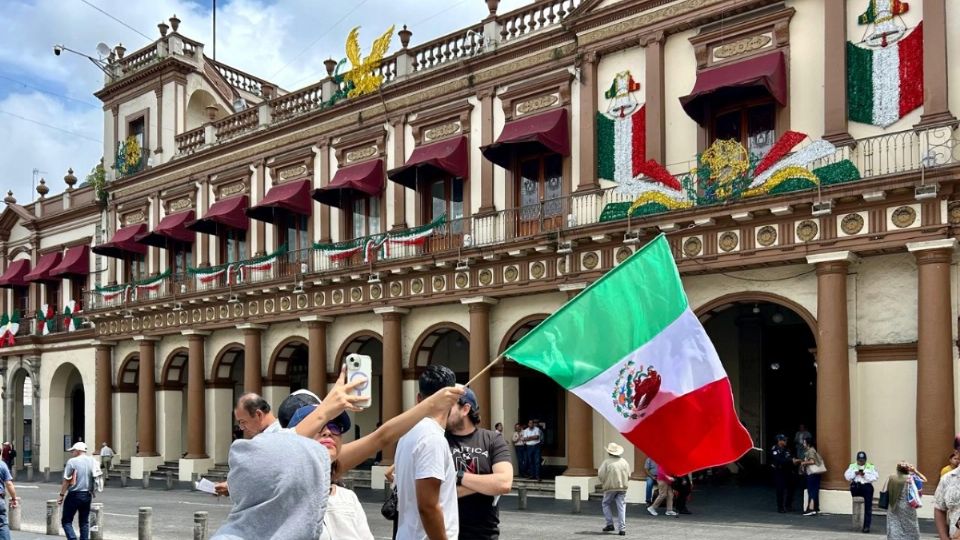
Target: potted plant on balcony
x,y
98,180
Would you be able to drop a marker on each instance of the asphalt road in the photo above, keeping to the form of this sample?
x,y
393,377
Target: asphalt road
x,y
544,519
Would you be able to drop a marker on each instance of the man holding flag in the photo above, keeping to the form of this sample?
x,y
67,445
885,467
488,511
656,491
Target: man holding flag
x,y
631,347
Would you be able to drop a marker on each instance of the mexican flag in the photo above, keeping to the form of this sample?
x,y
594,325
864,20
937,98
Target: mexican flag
x,y
631,347
885,83
880,10
621,145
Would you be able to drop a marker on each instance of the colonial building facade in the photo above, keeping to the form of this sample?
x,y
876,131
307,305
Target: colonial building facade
x,y
800,156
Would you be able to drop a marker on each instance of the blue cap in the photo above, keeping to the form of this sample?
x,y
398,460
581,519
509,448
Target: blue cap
x,y
343,421
470,398
781,437
862,455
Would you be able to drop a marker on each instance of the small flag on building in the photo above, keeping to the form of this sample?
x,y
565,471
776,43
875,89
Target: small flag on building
x,y
631,347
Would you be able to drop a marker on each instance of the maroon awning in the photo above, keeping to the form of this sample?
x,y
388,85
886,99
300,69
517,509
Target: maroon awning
x,y
172,229
363,178
222,216
289,198
767,72
76,263
124,242
15,274
41,272
447,157
534,134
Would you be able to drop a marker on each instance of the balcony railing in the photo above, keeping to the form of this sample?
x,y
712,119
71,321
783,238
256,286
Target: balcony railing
x,y
125,165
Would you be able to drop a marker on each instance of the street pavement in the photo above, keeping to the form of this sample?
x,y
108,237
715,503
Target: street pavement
x,y
717,515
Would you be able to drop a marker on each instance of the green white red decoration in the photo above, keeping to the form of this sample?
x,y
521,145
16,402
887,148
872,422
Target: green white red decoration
x,y
416,235
9,326
260,264
232,271
70,313
150,285
340,251
45,319
113,292
621,132
885,69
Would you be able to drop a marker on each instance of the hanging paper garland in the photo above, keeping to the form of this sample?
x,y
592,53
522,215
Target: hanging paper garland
x,y
70,316
416,235
372,245
111,293
261,264
9,325
151,284
339,251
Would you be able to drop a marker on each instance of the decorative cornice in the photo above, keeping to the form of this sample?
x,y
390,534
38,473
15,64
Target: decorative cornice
x,y
887,352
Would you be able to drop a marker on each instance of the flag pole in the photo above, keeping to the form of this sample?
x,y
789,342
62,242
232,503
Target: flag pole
x,y
486,369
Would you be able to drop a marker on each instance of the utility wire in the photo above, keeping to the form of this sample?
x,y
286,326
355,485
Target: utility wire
x,y
51,126
38,89
321,36
148,38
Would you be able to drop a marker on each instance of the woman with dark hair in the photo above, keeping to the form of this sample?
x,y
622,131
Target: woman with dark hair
x,y
812,467
901,517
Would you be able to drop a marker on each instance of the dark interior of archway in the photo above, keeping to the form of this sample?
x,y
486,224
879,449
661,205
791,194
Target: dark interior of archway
x,y
77,416
297,368
766,350
236,377
452,350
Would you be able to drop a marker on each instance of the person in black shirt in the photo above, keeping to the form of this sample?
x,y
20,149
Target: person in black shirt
x,y
484,470
784,471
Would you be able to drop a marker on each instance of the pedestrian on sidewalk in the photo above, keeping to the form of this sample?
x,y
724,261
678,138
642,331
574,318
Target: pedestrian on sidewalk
x,y
614,477
76,492
784,469
651,467
665,492
520,449
946,500
901,515
533,438
106,458
7,493
813,467
861,476
484,470
682,487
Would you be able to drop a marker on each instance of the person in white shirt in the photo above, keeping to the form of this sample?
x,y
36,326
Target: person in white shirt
x,y
426,478
106,458
861,476
533,437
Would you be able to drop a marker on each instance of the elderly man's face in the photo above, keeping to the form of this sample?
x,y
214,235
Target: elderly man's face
x,y
249,423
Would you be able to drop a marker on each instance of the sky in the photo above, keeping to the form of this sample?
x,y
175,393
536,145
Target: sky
x,y
50,120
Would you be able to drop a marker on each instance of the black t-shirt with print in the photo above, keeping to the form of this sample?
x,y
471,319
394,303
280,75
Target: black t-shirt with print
x,y
477,453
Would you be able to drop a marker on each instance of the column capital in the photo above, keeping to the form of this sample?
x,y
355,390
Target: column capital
x,y
103,344
653,37
832,257
391,310
251,326
200,333
316,319
482,300
143,339
927,245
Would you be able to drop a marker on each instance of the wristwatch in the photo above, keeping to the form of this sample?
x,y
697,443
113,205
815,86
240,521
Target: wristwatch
x,y
460,477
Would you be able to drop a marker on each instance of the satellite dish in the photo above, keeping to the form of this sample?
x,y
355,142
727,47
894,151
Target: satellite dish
x,y
103,49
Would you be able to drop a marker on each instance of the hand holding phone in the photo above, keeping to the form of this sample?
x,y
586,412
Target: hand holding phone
x,y
360,366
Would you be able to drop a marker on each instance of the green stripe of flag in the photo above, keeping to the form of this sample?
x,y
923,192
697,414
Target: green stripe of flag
x,y
605,144
859,84
613,317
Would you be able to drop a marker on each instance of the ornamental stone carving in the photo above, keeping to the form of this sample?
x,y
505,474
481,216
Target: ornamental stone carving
x,y
536,104
807,230
851,224
741,46
692,246
728,241
767,236
904,216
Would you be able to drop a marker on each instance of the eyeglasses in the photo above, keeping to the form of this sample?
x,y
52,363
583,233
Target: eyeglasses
x,y
334,429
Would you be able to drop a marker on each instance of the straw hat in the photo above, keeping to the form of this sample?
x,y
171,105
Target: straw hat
x,y
614,449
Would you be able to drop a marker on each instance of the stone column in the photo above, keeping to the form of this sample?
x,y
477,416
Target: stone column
x,y
204,201
587,123
147,397
317,353
399,158
103,405
833,368
579,420
936,105
196,396
479,307
252,369
485,97
391,401
325,232
935,403
656,112
835,73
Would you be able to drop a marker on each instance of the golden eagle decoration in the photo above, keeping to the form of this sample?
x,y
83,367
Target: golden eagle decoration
x,y
361,76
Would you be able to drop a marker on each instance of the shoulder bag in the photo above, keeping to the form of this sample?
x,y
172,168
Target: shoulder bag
x,y
389,508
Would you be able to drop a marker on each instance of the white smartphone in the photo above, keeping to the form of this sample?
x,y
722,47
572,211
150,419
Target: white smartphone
x,y
359,365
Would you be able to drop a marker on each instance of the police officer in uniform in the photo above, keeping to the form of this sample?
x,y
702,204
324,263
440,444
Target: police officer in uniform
x,y
784,472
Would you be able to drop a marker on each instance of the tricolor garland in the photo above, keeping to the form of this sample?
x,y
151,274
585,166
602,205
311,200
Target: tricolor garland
x,y
70,313
416,235
340,251
206,276
260,264
45,319
9,325
112,292
151,284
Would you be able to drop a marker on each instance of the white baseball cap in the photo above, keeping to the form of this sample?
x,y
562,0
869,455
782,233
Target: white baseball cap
x,y
79,447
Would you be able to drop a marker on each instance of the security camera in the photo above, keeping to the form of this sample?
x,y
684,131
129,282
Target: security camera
x,y
57,49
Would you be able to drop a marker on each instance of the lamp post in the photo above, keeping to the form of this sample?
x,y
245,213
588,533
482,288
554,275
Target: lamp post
x,y
103,49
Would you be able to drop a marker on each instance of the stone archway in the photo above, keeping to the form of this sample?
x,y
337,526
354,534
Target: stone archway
x,y
66,412
227,375
767,344
367,343
447,344
126,407
22,408
289,363
172,405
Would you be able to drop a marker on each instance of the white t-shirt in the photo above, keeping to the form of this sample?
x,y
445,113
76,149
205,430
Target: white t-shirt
x,y
424,453
533,432
344,519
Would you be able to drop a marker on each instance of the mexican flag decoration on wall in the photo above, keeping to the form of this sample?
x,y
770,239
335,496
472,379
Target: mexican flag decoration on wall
x,y
9,326
45,319
621,132
885,69
70,313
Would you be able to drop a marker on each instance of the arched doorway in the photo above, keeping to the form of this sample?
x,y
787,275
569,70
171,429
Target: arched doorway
x,y
21,417
767,345
539,398
369,344
446,344
67,404
289,363
127,407
172,405
228,373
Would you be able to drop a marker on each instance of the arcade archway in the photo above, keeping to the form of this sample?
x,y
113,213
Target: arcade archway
x,y
172,404
67,408
289,363
446,344
21,417
228,373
